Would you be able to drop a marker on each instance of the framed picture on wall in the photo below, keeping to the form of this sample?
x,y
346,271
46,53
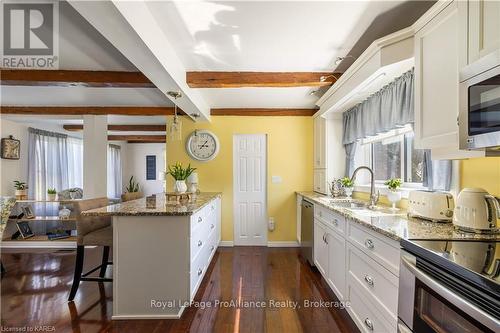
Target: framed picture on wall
x,y
151,167
10,148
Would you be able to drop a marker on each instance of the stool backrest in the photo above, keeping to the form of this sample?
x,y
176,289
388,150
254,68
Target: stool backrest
x,y
87,224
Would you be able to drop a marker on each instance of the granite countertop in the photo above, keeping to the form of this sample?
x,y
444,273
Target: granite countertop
x,y
157,206
397,226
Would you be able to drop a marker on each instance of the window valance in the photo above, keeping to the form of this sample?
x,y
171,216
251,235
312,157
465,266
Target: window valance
x,y
387,109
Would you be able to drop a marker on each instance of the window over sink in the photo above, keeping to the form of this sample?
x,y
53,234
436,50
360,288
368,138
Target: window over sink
x,y
392,155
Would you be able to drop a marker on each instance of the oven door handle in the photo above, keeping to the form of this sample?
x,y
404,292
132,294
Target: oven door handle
x,y
467,307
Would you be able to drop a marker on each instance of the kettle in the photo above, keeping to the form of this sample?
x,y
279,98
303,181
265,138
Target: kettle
x,y
476,211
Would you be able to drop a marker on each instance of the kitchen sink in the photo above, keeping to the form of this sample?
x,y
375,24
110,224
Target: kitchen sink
x,y
350,204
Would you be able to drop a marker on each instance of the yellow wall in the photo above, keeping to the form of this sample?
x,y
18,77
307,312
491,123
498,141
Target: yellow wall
x,y
481,172
290,147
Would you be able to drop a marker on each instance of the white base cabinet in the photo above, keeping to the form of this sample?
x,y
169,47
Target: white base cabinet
x,y
360,266
161,259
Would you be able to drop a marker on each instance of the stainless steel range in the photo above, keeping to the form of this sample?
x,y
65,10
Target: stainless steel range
x,y
449,286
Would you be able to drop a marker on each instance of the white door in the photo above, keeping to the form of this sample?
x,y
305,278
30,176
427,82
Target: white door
x,y
250,191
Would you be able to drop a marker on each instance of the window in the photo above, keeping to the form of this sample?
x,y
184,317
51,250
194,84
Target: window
x,y
393,155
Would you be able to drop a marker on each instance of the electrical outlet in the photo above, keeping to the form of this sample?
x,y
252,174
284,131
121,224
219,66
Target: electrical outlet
x,y
271,224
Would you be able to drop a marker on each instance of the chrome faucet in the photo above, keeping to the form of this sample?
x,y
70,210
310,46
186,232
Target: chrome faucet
x,y
373,197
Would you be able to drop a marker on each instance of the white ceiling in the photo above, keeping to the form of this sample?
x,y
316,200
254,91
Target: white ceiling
x,y
81,96
264,36
216,36
81,47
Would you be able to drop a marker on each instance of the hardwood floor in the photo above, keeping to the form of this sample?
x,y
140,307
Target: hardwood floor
x,y
35,288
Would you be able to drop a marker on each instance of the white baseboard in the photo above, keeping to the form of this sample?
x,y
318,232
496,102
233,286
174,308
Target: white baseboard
x,y
269,244
283,244
150,316
226,243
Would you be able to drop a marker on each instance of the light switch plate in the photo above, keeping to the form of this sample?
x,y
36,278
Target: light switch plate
x,y
276,179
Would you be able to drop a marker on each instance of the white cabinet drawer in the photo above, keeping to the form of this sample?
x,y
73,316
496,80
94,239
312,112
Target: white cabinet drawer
x,y
365,314
377,281
382,249
330,218
198,267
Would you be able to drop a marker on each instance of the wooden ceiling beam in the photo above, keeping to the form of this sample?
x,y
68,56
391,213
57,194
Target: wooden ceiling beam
x,y
260,79
149,138
263,112
147,111
121,128
72,78
86,110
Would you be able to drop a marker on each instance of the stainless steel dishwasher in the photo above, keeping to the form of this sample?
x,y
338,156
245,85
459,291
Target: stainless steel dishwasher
x,y
307,231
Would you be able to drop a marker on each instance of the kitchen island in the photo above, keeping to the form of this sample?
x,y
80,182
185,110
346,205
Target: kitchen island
x,y
161,251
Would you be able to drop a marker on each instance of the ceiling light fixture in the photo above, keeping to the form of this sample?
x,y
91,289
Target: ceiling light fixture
x,y
340,59
174,128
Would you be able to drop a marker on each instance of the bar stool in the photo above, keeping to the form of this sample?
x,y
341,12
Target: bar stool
x,y
92,231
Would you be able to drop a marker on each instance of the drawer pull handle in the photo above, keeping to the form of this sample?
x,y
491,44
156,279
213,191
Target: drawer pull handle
x,y
369,280
200,219
369,244
212,207
200,243
199,271
212,226
320,213
336,222
369,324
325,238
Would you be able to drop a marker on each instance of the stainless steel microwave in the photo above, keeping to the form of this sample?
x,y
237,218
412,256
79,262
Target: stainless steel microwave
x,y
479,117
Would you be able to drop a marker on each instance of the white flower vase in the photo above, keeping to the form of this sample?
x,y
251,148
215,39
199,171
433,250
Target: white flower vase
x,y
394,196
180,186
348,191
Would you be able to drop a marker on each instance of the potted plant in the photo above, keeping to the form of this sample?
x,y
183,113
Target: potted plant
x,y
51,194
132,186
21,190
348,185
180,175
394,195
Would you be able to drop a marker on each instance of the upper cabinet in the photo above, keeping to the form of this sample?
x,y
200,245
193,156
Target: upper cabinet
x,y
481,19
329,158
436,82
319,143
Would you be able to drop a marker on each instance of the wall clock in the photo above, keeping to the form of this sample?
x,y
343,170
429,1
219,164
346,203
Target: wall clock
x,y
202,145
